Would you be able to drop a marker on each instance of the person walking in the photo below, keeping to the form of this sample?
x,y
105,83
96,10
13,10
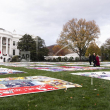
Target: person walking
x,y
97,61
90,59
94,60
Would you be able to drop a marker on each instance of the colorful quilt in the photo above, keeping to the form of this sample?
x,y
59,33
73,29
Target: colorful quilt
x,y
32,84
50,64
66,68
9,71
101,75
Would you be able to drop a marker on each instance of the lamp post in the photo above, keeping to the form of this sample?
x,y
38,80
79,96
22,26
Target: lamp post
x,y
37,38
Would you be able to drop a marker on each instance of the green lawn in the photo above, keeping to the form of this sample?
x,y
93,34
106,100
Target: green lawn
x,y
88,97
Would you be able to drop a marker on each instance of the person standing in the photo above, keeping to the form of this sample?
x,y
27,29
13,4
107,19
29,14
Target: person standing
x,y
97,61
94,60
90,59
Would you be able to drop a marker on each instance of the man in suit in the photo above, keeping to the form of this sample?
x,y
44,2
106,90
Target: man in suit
x,y
94,60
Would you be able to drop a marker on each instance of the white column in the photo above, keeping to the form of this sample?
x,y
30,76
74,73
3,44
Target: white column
x,y
7,46
1,46
10,45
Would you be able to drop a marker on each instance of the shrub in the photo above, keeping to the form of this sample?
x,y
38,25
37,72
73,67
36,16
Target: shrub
x,y
77,59
54,60
59,58
15,59
65,58
71,59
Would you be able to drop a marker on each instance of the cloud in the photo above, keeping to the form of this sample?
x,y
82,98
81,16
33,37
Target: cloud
x,y
45,18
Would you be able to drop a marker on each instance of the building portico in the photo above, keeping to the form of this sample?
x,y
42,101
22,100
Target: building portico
x,y
8,43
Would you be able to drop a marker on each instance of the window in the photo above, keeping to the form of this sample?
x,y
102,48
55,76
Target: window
x,y
13,52
13,43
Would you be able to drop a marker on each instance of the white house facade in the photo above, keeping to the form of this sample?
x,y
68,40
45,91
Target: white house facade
x,y
8,45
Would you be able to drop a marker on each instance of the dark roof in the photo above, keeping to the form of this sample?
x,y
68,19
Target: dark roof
x,y
50,49
2,29
51,46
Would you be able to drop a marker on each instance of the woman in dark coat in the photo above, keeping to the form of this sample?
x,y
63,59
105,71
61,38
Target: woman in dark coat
x,y
97,61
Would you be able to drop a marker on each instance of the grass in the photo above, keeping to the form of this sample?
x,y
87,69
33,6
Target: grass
x,y
88,97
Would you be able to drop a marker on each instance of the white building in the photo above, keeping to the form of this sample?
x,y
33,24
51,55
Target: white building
x,y
8,45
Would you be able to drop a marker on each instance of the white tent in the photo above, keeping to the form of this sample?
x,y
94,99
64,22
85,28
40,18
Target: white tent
x,y
74,55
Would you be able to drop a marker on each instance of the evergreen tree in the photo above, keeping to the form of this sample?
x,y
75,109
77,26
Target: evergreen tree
x,y
36,47
41,49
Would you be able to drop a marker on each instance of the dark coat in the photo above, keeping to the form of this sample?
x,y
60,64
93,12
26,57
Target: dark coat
x,y
94,59
90,58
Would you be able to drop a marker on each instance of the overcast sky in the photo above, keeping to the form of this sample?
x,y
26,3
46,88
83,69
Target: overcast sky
x,y
45,18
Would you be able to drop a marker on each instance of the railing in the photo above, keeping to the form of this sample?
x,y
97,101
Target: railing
x,y
4,43
4,54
